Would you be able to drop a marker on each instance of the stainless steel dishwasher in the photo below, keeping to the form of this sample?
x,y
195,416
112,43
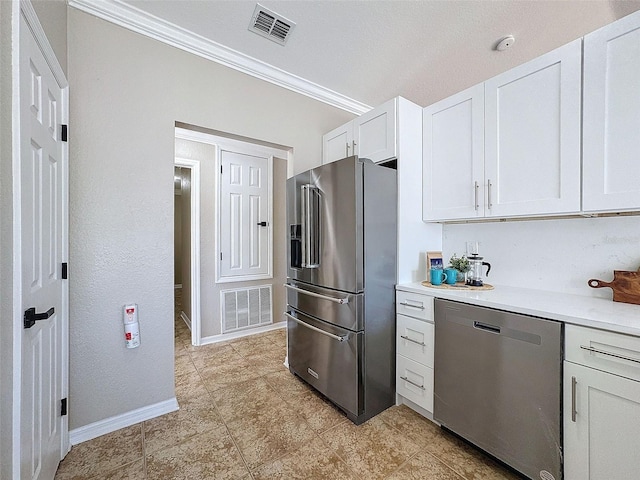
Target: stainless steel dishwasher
x,y
497,384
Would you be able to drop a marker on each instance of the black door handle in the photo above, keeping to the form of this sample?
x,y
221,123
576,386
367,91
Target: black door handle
x,y
262,224
30,316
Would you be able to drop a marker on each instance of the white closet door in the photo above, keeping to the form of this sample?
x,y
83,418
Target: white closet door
x,y
44,183
245,221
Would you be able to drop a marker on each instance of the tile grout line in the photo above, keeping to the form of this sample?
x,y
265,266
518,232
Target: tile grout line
x,y
233,440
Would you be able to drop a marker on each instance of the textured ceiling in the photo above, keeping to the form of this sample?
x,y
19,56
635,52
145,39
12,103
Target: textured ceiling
x,y
375,50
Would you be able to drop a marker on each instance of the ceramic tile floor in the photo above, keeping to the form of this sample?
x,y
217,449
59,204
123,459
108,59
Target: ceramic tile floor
x,y
244,416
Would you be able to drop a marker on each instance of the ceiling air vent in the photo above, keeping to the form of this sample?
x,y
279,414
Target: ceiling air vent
x,y
271,25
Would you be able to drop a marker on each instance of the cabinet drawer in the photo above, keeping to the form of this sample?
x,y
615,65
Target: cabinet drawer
x,y
414,339
414,381
611,352
414,305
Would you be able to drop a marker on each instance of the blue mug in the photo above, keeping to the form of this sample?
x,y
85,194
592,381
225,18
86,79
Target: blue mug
x,y
437,276
452,275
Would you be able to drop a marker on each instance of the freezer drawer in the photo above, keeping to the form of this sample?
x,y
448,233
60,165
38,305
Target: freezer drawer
x,y
339,308
328,358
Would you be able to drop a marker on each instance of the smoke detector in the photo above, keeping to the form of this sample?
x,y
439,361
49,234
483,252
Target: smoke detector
x,y
505,43
271,25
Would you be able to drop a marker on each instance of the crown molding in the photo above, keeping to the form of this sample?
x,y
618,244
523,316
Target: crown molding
x,y
134,19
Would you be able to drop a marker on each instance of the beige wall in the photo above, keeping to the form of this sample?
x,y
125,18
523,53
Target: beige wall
x,y
127,92
177,237
53,17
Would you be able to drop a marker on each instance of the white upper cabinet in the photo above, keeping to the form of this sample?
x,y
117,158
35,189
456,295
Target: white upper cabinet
x,y
337,143
508,147
532,136
372,135
453,153
611,122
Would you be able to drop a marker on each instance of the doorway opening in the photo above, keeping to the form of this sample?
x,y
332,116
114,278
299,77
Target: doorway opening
x,y
187,245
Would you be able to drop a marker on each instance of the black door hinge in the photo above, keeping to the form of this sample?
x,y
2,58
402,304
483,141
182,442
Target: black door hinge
x,y
63,407
65,271
63,132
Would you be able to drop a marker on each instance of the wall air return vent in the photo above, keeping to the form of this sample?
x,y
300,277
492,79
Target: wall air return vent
x,y
246,307
271,25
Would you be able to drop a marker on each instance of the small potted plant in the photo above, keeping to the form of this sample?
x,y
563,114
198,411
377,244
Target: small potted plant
x,y
461,264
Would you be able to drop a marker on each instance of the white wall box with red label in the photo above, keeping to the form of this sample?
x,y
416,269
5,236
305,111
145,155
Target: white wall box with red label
x,y
131,326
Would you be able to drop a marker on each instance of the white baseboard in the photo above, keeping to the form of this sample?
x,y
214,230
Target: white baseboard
x,y
186,319
244,333
108,425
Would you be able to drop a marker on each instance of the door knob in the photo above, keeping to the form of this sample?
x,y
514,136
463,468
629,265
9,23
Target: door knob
x,y
31,317
262,224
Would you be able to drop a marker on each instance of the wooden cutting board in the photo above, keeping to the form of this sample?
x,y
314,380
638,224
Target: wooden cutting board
x,y
625,286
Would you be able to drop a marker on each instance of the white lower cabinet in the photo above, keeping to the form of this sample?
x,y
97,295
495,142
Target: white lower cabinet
x,y
601,407
414,351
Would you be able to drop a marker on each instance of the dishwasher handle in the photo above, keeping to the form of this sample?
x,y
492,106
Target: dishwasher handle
x,y
487,327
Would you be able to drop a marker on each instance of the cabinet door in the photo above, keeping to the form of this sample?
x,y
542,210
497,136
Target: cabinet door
x,y
337,143
532,136
611,163
374,133
604,440
453,157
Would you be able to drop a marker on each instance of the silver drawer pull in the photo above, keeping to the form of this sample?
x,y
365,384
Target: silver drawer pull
x,y
422,344
594,350
419,307
341,301
412,383
573,399
316,329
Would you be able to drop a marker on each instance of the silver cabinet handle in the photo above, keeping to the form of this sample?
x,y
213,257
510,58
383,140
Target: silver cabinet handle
x,y
341,301
348,147
573,399
316,329
476,188
419,307
594,350
489,194
310,205
422,344
354,146
412,383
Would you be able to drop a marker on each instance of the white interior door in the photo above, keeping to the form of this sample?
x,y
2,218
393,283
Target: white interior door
x,y
245,220
43,230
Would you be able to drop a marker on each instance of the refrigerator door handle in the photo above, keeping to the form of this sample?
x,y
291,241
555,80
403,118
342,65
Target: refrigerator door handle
x,y
341,301
316,329
310,203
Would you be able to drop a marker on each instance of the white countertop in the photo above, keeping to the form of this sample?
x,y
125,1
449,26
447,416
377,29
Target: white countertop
x,y
575,309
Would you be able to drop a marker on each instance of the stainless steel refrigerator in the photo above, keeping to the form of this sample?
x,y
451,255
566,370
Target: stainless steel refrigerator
x,y
342,230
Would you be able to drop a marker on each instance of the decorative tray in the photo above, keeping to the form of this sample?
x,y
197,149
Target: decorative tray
x,y
458,286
